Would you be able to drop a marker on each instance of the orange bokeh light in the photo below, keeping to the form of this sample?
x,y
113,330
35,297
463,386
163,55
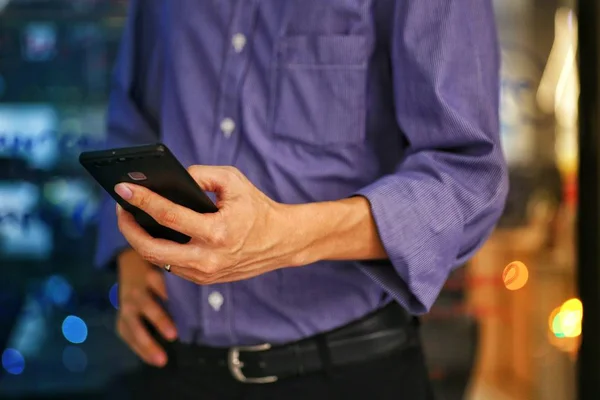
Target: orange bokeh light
x,y
515,275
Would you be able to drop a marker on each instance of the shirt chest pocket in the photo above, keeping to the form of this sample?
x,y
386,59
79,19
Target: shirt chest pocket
x,y
318,89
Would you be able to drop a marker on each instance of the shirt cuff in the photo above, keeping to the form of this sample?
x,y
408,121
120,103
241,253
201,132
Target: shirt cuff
x,y
422,252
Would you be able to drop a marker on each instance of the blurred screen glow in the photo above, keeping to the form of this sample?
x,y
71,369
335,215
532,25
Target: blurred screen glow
x,y
13,361
30,330
58,290
22,233
39,42
74,359
74,199
74,329
27,131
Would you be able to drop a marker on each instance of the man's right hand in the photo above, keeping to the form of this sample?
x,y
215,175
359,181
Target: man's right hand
x,y
139,283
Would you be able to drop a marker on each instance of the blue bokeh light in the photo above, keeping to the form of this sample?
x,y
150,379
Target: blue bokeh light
x,y
74,329
58,290
13,361
74,359
113,295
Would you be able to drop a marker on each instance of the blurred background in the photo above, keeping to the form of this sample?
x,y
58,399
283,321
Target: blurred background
x,y
507,326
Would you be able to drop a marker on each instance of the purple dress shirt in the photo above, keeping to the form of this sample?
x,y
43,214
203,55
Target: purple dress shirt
x,y
318,100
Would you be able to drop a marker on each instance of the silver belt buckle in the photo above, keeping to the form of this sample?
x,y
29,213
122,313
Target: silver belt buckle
x,y
235,365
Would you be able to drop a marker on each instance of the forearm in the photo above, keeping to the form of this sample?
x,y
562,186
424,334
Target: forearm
x,y
335,230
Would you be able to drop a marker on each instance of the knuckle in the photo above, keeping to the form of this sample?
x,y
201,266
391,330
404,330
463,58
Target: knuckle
x,y
210,264
218,236
230,169
143,200
193,169
144,253
167,217
227,174
128,309
149,256
197,269
202,269
234,172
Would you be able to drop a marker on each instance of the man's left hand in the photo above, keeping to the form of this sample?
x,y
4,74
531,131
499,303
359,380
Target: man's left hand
x,y
248,236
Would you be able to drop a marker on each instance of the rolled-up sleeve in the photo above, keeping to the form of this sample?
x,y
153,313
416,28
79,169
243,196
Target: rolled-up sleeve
x,y
445,196
132,111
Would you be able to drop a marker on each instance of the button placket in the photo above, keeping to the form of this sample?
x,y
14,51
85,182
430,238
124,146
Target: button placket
x,y
238,41
216,311
215,299
227,127
232,76
218,304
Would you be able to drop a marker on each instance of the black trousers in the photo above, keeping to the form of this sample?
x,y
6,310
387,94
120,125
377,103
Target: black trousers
x,y
400,375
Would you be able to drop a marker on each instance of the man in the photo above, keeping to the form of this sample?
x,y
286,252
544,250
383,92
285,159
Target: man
x,y
354,152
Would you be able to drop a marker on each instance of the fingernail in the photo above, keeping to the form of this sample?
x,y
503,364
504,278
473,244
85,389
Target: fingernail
x,y
124,191
160,359
171,334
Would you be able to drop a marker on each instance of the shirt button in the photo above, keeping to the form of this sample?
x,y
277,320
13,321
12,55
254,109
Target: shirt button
x,y
238,42
215,299
227,127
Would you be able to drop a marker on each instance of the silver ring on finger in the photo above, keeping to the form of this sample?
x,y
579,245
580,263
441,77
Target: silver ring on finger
x,y
167,267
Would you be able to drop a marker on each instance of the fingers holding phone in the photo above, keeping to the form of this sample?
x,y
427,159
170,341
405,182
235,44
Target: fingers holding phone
x,y
139,285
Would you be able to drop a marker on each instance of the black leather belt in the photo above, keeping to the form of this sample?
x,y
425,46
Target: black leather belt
x,y
388,330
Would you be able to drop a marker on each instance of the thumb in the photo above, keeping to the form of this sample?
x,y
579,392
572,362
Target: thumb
x,y
221,180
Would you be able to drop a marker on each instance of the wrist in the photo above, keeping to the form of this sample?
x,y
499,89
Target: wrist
x,y
335,230
303,231
290,239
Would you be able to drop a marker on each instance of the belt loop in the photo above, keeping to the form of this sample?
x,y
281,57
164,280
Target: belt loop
x,y
325,354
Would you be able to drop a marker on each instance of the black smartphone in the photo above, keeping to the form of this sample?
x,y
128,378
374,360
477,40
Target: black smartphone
x,y
154,167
